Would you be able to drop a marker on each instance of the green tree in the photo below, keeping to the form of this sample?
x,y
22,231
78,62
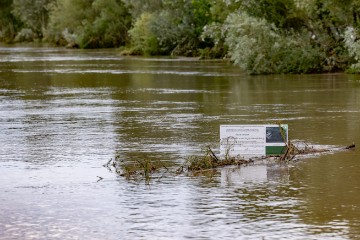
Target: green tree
x,y
8,23
111,24
89,23
33,13
352,43
138,7
282,13
143,39
260,47
307,34
177,26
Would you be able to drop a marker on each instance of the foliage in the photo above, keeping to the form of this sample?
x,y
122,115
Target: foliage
x,y
298,54
34,15
352,43
177,27
250,41
214,33
143,39
260,47
261,36
282,13
138,7
92,23
286,36
25,35
68,17
8,23
168,31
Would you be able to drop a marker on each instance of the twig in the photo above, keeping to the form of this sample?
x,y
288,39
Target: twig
x,y
213,154
100,178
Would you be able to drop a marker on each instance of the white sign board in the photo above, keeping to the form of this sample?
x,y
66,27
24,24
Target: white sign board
x,y
256,140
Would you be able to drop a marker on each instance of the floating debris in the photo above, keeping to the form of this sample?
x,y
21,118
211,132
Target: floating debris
x,y
140,168
147,168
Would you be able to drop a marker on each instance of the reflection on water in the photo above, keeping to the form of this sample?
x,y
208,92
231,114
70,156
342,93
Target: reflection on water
x,y
64,113
255,173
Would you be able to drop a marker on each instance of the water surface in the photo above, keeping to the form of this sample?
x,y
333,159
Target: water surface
x,y
65,113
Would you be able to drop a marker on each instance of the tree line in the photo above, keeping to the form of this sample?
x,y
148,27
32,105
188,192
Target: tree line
x,y
261,36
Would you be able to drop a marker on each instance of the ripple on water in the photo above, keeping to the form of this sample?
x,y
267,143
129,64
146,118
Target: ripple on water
x,y
58,129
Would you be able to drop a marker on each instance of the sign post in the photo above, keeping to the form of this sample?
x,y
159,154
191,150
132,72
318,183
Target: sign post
x,y
253,140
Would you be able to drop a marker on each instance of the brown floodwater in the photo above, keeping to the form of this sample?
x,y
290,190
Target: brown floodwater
x,y
65,113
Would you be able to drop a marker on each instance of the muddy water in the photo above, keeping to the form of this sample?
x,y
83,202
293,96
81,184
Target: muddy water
x,y
65,113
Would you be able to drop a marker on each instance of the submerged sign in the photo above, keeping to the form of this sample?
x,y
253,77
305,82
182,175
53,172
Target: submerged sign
x,y
258,140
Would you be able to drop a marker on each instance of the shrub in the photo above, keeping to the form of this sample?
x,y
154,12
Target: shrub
x,y
352,44
25,35
250,41
297,54
70,38
143,40
214,33
261,48
93,23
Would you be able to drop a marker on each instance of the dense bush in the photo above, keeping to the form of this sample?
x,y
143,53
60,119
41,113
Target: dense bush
x,y
89,23
25,35
174,29
34,15
259,47
261,36
9,25
298,54
352,43
143,39
251,42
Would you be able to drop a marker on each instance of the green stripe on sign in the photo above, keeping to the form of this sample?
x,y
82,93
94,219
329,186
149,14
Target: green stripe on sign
x,y
275,150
